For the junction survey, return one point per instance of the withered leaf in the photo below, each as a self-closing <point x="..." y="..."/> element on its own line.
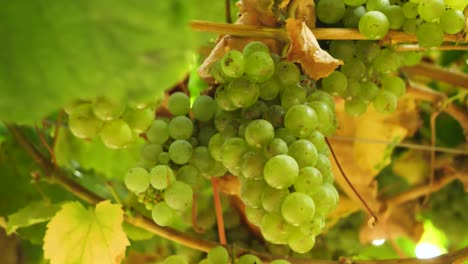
<point x="305" y="49"/>
<point x="256" y="12"/>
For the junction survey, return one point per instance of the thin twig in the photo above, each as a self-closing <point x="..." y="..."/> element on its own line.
<point x="432" y="72"/>
<point x="219" y="212"/>
<point x="44" y="143"/>
<point x="405" y="47"/>
<point x="227" y="10"/>
<point x="374" y="220"/>
<point x="433" y="119"/>
<point x="113" y="192"/>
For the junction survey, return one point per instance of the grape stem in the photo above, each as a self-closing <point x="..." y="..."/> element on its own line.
<point x="374" y="220"/>
<point x="432" y="72"/>
<point x="219" y="212"/>
<point x="227" y="10"/>
<point x="406" y="47"/>
<point x="194" y="216"/>
<point x="59" y="176"/>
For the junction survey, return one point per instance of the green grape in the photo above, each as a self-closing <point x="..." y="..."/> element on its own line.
<point x="304" y="152"/>
<point x="275" y="229"/>
<point x="83" y="123"/>
<point x="411" y="58"/>
<point x="353" y="68"/>
<point x="367" y="50"/>
<point x="355" y="107"/>
<point x="431" y="10"/>
<point x="137" y="180"/>
<point x="232" y="152"/>
<point x="252" y="165"/>
<point x="335" y="83"/>
<point x="386" y="62"/>
<point x="271" y="199"/>
<point x="218" y="73"/>
<point x="430" y="35"/>
<point x="232" y="64"/>
<point x="326" y="199"/>
<point x="175" y="260"/>
<point x="242" y="92"/>
<point x="180" y="127"/>
<point x="377" y="5"/>
<point x="318" y="140"/>
<point x="394" y="85"/>
<point x="106" y="109"/>
<point x="203" y="161"/>
<point x="330" y="11"/>
<point x="150" y="152"/>
<point x="162" y="214"/>
<point x="287" y="73"/>
<point x="411" y="25"/>
<point x="298" y="208"/>
<point x="293" y="95"/>
<point x="180" y="151"/>
<point x="254" y="46"/>
<point x="281" y="171"/>
<point x="139" y="120"/>
<point x="164" y="158"/>
<point x="219" y="255"/>
<point x="223" y="100"/>
<point x="324" y="114"/>
<point x="275" y="115"/>
<point x="204" y="261"/>
<point x="190" y="175"/>
<point x="276" y="147"/>
<point x="385" y="102"/>
<point x="249" y="259"/>
<point x="161" y="176"/>
<point x="270" y="89"/>
<point x="456" y="4"/>
<point x="251" y="192"/>
<point x="319" y="95"/>
<point x="158" y="133"/>
<point x="353" y="90"/>
<point x="116" y="134"/>
<point x="285" y="134"/>
<point x="300" y="242"/>
<point x="178" y="195"/>
<point x="354" y="2"/>
<point x="352" y="16"/>
<point x="205" y="133"/>
<point x="374" y="25"/>
<point x="178" y="104"/>
<point x="395" y="15"/>
<point x="368" y="91"/>
<point x="243" y="127"/>
<point x="410" y="10"/>
<point x="280" y="261"/>
<point x="301" y="120"/>
<point x="342" y="49"/>
<point x="74" y="105"/>
<point x="215" y="145"/>
<point x="255" y="215"/>
<point x="259" y="133"/>
<point x="452" y="21"/>
<point x="308" y="181"/>
<point x="204" y="108"/>
<point x="259" y="66"/>
<point x="324" y="166"/>
<point x="254" y="111"/>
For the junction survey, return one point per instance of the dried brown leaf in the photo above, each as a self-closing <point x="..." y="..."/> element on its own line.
<point x="256" y="12"/>
<point x="305" y="49"/>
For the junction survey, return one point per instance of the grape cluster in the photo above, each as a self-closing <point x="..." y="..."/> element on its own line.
<point x="271" y="131"/>
<point x="367" y="75"/>
<point x="428" y="19"/>
<point x="117" y="123"/>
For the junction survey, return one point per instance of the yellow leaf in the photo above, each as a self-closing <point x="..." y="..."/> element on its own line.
<point x="79" y="236"/>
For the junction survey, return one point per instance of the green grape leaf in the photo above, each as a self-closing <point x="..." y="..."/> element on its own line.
<point x="81" y="236"/>
<point x="34" y="213"/>
<point x="94" y="155"/>
<point x="57" y="51"/>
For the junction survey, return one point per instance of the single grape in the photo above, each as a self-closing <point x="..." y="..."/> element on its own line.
<point x="275" y="229"/>
<point x="232" y="64"/>
<point x="386" y="62"/>
<point x="178" y="195"/>
<point x="190" y="175"/>
<point x="285" y="134"/>
<point x="308" y="181"/>
<point x="252" y="165"/>
<point x="137" y="180"/>
<point x="161" y="176"/>
<point x="270" y="89"/>
<point x="330" y="11"/>
<point x="249" y="259"/>
<point x="215" y="145"/>
<point x="254" y="46"/>
<point x="116" y="134"/>
<point x="218" y="255"/>
<point x="326" y="199"/>
<point x="301" y="120"/>
<point x="319" y="142"/>
<point x="272" y="197"/>
<point x="106" y="109"/>
<point x="298" y="208"/>
<point x="410" y="10"/>
<point x="83" y="123"/>
<point x="385" y="102"/>
<point x="324" y="114"/>
<point x="452" y="21"/>
<point x="139" y="120"/>
<point x="178" y="103"/>
<point x="205" y="133"/>
<point x="300" y="242"/>
<point x="158" y="133"/>
<point x="275" y="115"/>
<point x="232" y="152"/>
<point x="217" y="72"/>
<point x="430" y="35"/>
<point x="335" y="83"/>
<point x="342" y="49"/>
<point x="368" y="91"/>
<point x="304" y="152"/>
<point x="281" y="171"/>
<point x="324" y="166"/>
<point x="259" y="133"/>
<point x="352" y="16"/>
<point x="411" y="25"/>
<point x="251" y="192"/>
<point x="355" y="107"/>
<point x="227" y="123"/>
<point x="319" y="95"/>
<point x="367" y="50"/>
<point x="222" y="98"/>
<point x="164" y="158"/>
<point x="293" y="95"/>
<point x="374" y="25"/>
<point x="254" y="111"/>
<point x="287" y="73"/>
<point x="394" y="85"/>
<point x="242" y="92"/>
<point x="180" y="151"/>
<point x="180" y="127"/>
<point x="150" y="152"/>
<point x="259" y="66"/>
<point x="411" y="58"/>
<point x="431" y="10"/>
<point x="162" y="214"/>
<point x="204" y="108"/>
<point x="353" y="68"/>
<point x="255" y="215"/>
<point x="395" y="16"/>
<point x="276" y="147"/>
<point x="377" y="5"/>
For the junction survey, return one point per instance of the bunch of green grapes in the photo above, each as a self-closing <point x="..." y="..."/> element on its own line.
<point x="369" y="75"/>
<point x="429" y="20"/>
<point x="117" y="124"/>
<point x="271" y="131"/>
